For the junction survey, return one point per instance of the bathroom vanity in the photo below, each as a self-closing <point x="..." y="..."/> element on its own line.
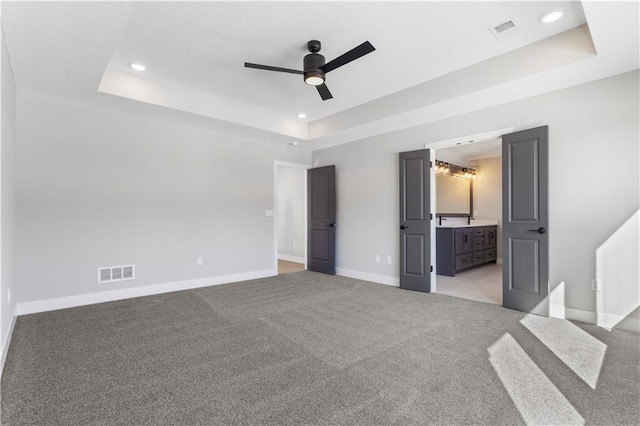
<point x="461" y="246"/>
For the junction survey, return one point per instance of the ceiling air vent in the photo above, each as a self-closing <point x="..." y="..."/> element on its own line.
<point x="506" y="29"/>
<point x="504" y="26"/>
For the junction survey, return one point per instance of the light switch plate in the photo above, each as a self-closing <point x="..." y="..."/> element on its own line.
<point x="268" y="212"/>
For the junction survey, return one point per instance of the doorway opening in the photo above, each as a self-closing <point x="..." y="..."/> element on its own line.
<point x="290" y="217"/>
<point x="467" y="195"/>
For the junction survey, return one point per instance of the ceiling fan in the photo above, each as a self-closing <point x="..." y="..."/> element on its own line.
<point x="315" y="67"/>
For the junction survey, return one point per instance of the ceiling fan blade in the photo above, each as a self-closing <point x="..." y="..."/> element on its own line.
<point x="270" y="68"/>
<point x="351" y="55"/>
<point x="324" y="92"/>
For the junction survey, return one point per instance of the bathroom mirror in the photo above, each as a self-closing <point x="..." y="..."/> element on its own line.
<point x="454" y="196"/>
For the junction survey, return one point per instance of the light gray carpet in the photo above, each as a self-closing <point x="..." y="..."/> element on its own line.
<point x="308" y="348"/>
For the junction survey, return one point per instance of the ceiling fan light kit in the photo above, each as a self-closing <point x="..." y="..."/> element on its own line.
<point x="315" y="68"/>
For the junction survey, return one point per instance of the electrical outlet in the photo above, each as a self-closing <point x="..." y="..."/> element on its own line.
<point x="596" y="285"/>
<point x="8" y="295"/>
<point x="199" y="261"/>
<point x="294" y="244"/>
<point x="377" y="258"/>
<point x="389" y="260"/>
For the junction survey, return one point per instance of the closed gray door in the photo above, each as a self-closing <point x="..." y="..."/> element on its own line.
<point x="415" y="228"/>
<point x="321" y="223"/>
<point x="525" y="220"/>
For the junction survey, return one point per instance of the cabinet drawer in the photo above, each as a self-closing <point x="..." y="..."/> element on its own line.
<point x="478" y="258"/>
<point x="478" y="243"/>
<point x="491" y="254"/>
<point x="478" y="231"/>
<point x="463" y="261"/>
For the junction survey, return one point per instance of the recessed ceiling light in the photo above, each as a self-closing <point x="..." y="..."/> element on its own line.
<point x="137" y="66"/>
<point x="302" y="115"/>
<point x="551" y="16"/>
<point x="293" y="143"/>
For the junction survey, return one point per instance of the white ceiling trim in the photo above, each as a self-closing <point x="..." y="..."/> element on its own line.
<point x="171" y="95"/>
<point x="551" y="53"/>
<point x="554" y="52"/>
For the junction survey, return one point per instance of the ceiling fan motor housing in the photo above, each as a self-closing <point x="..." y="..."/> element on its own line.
<point x="312" y="63"/>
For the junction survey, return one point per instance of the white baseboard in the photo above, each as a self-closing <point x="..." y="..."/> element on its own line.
<point x="366" y="276"/>
<point x="290" y="258"/>
<point x="573" y="314"/>
<point x="6" y="343"/>
<point x="610" y="321"/>
<point x="128" y="293"/>
<point x="601" y="319"/>
<point x="559" y="311"/>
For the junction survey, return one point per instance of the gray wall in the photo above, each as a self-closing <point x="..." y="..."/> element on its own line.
<point x="7" y="200"/>
<point x="290" y="212"/>
<point x="593" y="171"/>
<point x="96" y="187"/>
<point x="487" y="193"/>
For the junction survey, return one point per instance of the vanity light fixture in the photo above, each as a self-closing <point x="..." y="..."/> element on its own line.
<point x="444" y="169"/>
<point x="550" y="16"/>
<point x="469" y="173"/>
<point x="137" y="66"/>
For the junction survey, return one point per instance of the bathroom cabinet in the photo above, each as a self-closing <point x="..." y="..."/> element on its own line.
<point x="461" y="248"/>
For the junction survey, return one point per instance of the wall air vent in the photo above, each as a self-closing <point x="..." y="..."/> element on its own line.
<point x="506" y="29"/>
<point x="111" y="274"/>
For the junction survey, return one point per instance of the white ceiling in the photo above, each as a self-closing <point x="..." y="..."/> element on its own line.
<point x="433" y="59"/>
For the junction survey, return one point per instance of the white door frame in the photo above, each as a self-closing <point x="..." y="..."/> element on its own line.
<point x="276" y="166"/>
<point x="448" y="143"/>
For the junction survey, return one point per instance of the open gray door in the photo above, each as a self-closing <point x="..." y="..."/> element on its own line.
<point x="415" y="226"/>
<point x="525" y="218"/>
<point x="321" y="223"/>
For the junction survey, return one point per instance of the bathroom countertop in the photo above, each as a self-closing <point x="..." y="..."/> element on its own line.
<point x="462" y="223"/>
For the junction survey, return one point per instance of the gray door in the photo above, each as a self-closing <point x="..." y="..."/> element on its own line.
<point x="321" y="223"/>
<point x="525" y="218"/>
<point x="415" y="226"/>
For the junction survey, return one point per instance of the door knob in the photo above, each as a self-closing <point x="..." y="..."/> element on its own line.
<point x="403" y="227"/>
<point x="332" y="225"/>
<point x="541" y="230"/>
